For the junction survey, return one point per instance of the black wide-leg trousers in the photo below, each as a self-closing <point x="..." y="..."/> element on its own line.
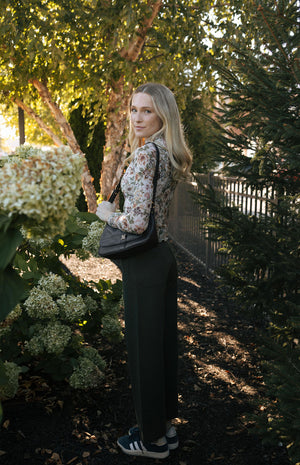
<point x="150" y="298"/>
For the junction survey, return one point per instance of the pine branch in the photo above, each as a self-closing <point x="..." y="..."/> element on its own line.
<point x="261" y="10"/>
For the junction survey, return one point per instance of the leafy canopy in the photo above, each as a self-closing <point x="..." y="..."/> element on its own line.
<point x="76" y="46"/>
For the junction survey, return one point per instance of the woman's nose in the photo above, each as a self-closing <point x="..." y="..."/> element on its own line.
<point x="138" y="116"/>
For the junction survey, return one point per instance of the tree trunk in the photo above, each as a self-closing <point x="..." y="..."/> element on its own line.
<point x="114" y="150"/>
<point x="21" y="126"/>
<point x="115" y="140"/>
<point x="87" y="180"/>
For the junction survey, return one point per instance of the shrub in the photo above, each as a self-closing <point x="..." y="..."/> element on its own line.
<point x="50" y="317"/>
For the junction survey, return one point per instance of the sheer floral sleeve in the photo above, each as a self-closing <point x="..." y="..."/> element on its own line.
<point x="137" y="186"/>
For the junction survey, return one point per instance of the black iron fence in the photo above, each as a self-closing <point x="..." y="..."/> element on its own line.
<point x="187" y="217"/>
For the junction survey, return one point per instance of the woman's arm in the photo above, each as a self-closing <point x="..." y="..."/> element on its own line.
<point x="139" y="186"/>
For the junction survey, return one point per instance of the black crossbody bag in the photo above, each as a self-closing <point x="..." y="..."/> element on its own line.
<point x="115" y="243"/>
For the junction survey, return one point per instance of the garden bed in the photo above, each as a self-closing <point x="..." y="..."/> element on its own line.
<point x="220" y="383"/>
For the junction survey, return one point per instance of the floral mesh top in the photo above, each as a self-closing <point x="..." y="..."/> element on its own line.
<point x="137" y="188"/>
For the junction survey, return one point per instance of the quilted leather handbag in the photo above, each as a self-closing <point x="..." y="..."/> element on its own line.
<point x="115" y="243"/>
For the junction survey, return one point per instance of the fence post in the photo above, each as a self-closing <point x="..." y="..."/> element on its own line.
<point x="21" y="126"/>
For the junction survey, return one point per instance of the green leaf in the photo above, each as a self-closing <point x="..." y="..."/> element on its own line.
<point x="20" y="262"/>
<point x="11" y="291"/>
<point x="72" y="227"/>
<point x="9" y="242"/>
<point x="5" y="221"/>
<point x="88" y="217"/>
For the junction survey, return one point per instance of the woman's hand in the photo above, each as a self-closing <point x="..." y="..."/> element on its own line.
<point x="104" y="210"/>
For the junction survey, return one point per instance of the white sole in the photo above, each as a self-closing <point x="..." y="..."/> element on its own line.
<point x="141" y="453"/>
<point x="173" y="446"/>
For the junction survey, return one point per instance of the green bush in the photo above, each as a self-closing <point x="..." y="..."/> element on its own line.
<point x="47" y="331"/>
<point x="49" y="317"/>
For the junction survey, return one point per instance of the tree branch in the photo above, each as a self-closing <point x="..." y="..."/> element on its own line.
<point x="57" y="114"/>
<point x="30" y="112"/>
<point x="87" y="180"/>
<point x="132" y="52"/>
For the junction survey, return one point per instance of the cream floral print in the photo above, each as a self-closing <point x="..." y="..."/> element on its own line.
<point x="137" y="188"/>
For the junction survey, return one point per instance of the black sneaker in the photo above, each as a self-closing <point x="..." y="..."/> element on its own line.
<point x="171" y="436"/>
<point x="133" y="445"/>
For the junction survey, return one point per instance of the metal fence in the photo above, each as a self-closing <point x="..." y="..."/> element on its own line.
<point x="187" y="218"/>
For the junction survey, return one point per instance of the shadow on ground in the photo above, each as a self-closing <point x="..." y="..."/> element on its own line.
<point x="220" y="383"/>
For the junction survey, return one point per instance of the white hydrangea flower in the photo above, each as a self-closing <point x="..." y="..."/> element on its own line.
<point x="25" y="151"/>
<point x="112" y="329"/>
<point x="55" y="337"/>
<point x="110" y="307"/>
<point x="72" y="307"/>
<point x="86" y="375"/>
<point x="35" y="346"/>
<point x="40" y="242"/>
<point x="91" y="241"/>
<point x="14" y="314"/>
<point x="40" y="304"/>
<point x="4" y="331"/>
<point x="53" y="284"/>
<point x="52" y="338"/>
<point x="9" y="389"/>
<point x="90" y="303"/>
<point x="92" y="354"/>
<point x="43" y="187"/>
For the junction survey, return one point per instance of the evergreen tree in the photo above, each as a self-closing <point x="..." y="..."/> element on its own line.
<point x="260" y="143"/>
<point x="199" y="131"/>
<point x="91" y="139"/>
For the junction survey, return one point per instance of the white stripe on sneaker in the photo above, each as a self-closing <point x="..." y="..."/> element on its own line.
<point x="134" y="446"/>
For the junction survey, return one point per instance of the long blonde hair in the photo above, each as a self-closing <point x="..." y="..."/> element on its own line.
<point x="166" y="108"/>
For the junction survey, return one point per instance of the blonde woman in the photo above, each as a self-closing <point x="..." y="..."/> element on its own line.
<point x="150" y="278"/>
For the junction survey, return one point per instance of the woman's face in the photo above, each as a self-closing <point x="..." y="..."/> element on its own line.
<point x="144" y="119"/>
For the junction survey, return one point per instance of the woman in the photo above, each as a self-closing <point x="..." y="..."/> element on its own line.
<point x="150" y="278"/>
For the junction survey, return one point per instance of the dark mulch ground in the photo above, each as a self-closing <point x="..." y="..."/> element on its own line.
<point x="219" y="382"/>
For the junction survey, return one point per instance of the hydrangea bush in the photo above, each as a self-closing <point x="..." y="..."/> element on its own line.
<point x="53" y="326"/>
<point x="41" y="185"/>
<point x="50" y="328"/>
